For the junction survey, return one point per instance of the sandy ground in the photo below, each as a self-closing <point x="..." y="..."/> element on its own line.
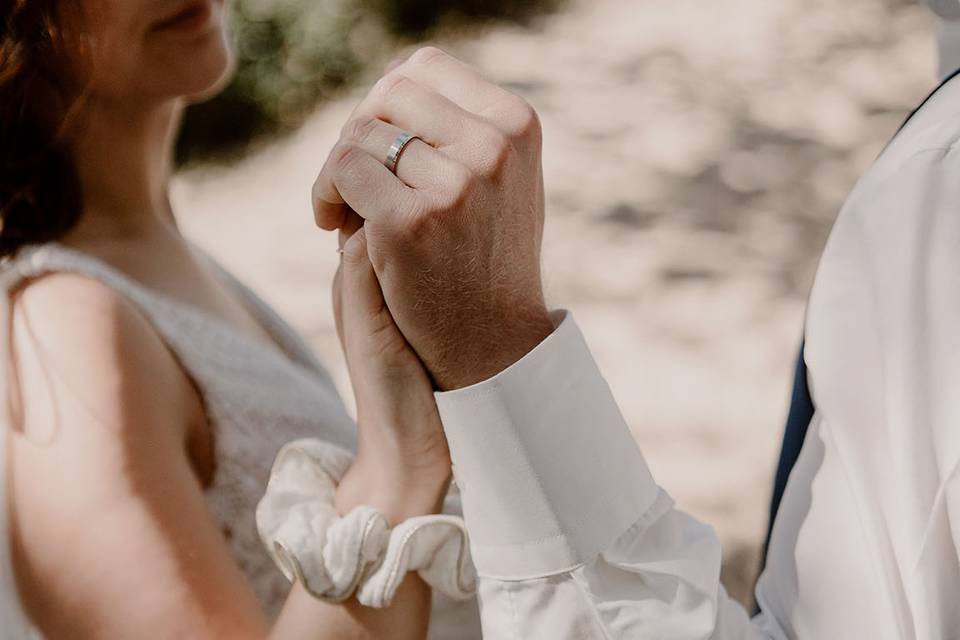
<point x="695" y="156"/>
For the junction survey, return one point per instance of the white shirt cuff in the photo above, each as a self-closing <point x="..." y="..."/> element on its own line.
<point x="548" y="471"/>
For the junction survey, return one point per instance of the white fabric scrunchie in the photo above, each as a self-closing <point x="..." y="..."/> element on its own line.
<point x="336" y="557"/>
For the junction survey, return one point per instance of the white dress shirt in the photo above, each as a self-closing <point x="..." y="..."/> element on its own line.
<point x="948" y="34"/>
<point x="573" y="538"/>
<point x="948" y="46"/>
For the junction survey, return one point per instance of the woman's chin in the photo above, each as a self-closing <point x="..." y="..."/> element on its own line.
<point x="214" y="84"/>
<point x="195" y="71"/>
<point x="200" y="79"/>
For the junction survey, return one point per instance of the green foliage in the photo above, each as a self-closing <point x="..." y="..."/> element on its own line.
<point x="293" y="53"/>
<point x="420" y="17"/>
<point x="289" y="54"/>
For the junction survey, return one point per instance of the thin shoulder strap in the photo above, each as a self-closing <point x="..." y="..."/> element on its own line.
<point x="34" y="260"/>
<point x="165" y="313"/>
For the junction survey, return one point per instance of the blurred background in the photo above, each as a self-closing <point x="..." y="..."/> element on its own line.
<point x="695" y="155"/>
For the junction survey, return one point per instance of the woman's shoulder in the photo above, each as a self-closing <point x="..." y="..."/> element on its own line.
<point x="86" y="343"/>
<point x="99" y="450"/>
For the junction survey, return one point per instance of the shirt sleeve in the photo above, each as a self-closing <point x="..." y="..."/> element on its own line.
<point x="570" y="534"/>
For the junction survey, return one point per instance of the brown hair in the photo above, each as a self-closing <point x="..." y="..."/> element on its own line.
<point x="40" y="195"/>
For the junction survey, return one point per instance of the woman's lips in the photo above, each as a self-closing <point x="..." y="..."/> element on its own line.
<point x="190" y="18"/>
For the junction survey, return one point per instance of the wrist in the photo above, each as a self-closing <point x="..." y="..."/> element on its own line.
<point x="396" y="490"/>
<point x="504" y="341"/>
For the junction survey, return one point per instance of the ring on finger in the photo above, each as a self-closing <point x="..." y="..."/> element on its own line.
<point x="393" y="155"/>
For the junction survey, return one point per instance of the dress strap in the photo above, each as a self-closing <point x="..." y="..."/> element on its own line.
<point x="37" y="259"/>
<point x="165" y="312"/>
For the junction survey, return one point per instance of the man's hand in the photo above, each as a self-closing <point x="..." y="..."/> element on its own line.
<point x="403" y="465"/>
<point x="454" y="236"/>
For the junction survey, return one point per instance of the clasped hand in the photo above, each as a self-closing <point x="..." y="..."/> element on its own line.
<point x="439" y="284"/>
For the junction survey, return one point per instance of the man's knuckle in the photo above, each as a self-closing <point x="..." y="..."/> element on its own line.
<point x="524" y="121"/>
<point x="427" y="55"/>
<point x="359" y="129"/>
<point x="389" y="85"/>
<point x="459" y="186"/>
<point x="496" y="151"/>
<point x="345" y="155"/>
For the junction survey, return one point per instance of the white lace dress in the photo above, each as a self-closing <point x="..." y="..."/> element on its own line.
<point x="256" y="399"/>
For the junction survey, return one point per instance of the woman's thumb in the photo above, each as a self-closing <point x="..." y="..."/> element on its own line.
<point x="361" y="296"/>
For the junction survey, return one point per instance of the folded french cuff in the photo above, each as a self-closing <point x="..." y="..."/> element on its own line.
<point x="548" y="470"/>
<point x="358" y="554"/>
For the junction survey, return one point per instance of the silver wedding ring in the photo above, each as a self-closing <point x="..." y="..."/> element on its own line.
<point x="393" y="156"/>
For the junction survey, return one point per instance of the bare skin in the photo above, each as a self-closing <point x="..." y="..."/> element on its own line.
<point x="118" y="452"/>
<point x="111" y="533"/>
<point x="455" y="235"/>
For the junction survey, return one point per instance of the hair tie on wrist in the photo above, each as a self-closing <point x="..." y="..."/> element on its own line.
<point x="358" y="554"/>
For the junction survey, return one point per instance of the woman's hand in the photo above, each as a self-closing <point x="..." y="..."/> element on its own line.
<point x="403" y="464"/>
